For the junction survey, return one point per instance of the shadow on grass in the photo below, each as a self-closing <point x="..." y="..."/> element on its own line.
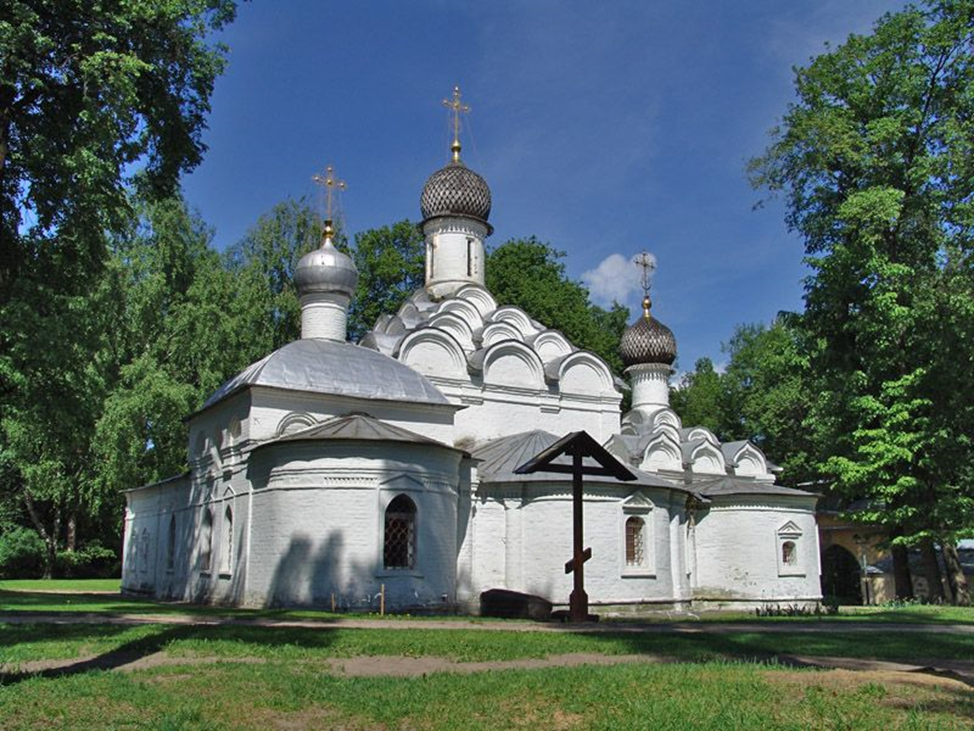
<point x="159" y="638"/>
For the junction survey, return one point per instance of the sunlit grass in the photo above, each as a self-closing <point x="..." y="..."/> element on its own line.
<point x="301" y="695"/>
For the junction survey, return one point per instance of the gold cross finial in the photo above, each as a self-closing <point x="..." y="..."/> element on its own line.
<point x="458" y="108"/>
<point x="647" y="262"/>
<point x="330" y="183"/>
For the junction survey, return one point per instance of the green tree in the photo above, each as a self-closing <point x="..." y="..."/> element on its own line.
<point x="769" y="396"/>
<point x="266" y="258"/>
<point x="88" y="91"/>
<point x="875" y="159"/>
<point x="698" y="399"/>
<point x="391" y="264"/>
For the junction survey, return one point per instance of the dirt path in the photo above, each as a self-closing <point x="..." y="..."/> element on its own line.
<point x="825" y="626"/>
<point x="956" y="674"/>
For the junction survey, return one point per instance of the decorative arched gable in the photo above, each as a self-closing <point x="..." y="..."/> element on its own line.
<point x="478" y="297"/>
<point x="584" y="373"/>
<point x="551" y="345"/>
<point x="498" y="332"/>
<point x="455" y="325"/>
<point x="668" y="418"/>
<point x="433" y="352"/>
<point x="749" y="461"/>
<point x="706" y="459"/>
<point x="294" y="422"/>
<point x="516" y="317"/>
<point x="465" y="310"/>
<point x="512" y="363"/>
<point x="662" y="452"/>
<point x="701" y="432"/>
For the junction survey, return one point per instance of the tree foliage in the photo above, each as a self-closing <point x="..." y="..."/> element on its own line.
<point x="875" y="162"/>
<point x="87" y="91"/>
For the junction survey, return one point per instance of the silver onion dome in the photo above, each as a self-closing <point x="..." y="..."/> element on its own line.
<point x="455" y="190"/>
<point x="647" y="340"/>
<point x="326" y="270"/>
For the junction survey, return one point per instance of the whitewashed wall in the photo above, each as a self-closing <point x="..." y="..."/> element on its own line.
<point x="738" y="552"/>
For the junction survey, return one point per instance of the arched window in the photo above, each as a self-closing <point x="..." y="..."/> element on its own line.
<point x="171" y="544"/>
<point x="635" y="541"/>
<point x="788" y="556"/>
<point x="226" y="559"/>
<point x="206" y="541"/>
<point x="399" y="547"/>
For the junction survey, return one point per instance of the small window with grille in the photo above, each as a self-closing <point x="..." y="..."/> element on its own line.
<point x="635" y="541"/>
<point x="399" y="547"/>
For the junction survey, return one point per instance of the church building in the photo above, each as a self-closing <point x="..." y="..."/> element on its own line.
<point x="329" y="469"/>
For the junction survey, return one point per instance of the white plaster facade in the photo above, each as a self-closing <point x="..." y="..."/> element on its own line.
<point x="329" y="470"/>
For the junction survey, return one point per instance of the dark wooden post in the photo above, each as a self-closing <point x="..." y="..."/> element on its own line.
<point x="578" y="602"/>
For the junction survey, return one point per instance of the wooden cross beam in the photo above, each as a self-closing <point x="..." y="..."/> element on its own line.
<point x="580" y="446"/>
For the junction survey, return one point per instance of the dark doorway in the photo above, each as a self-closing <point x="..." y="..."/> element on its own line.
<point x="841" y="576"/>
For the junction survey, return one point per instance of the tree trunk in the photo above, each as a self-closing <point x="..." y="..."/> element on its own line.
<point x="955" y="575"/>
<point x="50" y="539"/>
<point x="901" y="572"/>
<point x="71" y="538"/>
<point x="931" y="569"/>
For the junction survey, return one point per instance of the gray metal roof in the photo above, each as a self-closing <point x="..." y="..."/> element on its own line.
<point x="341" y="369"/>
<point x="358" y="427"/>
<point x="738" y="486"/>
<point x="499" y="457"/>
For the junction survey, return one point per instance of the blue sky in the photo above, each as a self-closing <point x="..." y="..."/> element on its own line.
<point x="603" y="128"/>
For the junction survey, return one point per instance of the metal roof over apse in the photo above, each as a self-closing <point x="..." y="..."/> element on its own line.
<point x="499" y="458"/>
<point x="737" y="486"/>
<point x="358" y="427"/>
<point x="340" y="369"/>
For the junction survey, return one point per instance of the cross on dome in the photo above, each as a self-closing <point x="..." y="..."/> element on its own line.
<point x="330" y="183"/>
<point x="647" y="263"/>
<point x="457" y="108"/>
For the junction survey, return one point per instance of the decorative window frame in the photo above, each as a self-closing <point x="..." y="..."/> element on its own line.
<point x="789" y="533"/>
<point x="390" y="489"/>
<point x="638" y="505"/>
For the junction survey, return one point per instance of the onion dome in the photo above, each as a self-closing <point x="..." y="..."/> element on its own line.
<point x="326" y="269"/>
<point x="455" y="190"/>
<point x="647" y="340"/>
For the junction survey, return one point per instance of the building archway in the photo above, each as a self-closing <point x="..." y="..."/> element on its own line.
<point x="841" y="575"/>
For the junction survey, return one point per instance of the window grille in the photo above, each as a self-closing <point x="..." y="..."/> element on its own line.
<point x="788" y="557"/>
<point x="399" y="550"/>
<point x="635" y="548"/>
<point x="226" y="564"/>
<point x="206" y="541"/>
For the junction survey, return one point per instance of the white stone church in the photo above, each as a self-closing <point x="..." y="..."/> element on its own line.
<point x="330" y="469"/>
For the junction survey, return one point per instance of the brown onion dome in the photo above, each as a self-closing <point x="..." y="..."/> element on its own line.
<point x="456" y="190"/>
<point x="647" y="340"/>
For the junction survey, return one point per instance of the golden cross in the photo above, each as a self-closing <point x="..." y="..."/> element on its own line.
<point x="646" y="262"/>
<point x="329" y="182"/>
<point x="458" y="108"/>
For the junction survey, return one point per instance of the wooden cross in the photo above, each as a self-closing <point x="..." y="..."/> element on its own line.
<point x="329" y="182"/>
<point x="457" y="108"/>
<point x="579" y="445"/>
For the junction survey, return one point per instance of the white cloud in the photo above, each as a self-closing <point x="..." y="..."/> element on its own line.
<point x="614" y="279"/>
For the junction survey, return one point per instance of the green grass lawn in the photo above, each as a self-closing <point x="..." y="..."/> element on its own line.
<point x="68" y="595"/>
<point x="284" y="693"/>
<point x="30" y="642"/>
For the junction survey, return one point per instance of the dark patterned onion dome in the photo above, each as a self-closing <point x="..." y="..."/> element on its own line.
<point x="455" y="190"/>
<point x="647" y="340"/>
